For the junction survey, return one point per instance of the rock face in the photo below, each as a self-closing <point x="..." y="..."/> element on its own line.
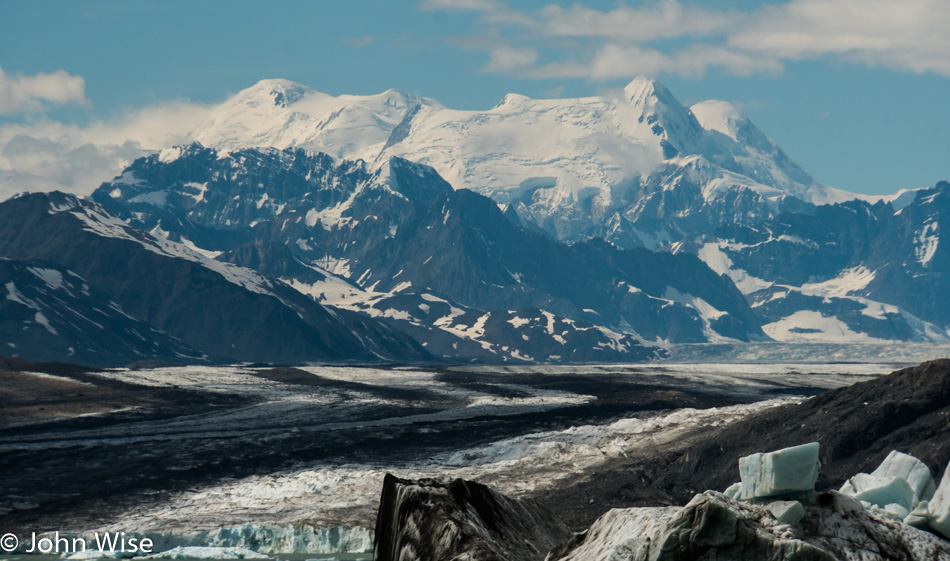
<point x="460" y="520"/>
<point x="223" y="311"/>
<point x="713" y="526"/>
<point x="448" y="266"/>
<point x="850" y="272"/>
<point x="48" y="312"/>
<point x="430" y="520"/>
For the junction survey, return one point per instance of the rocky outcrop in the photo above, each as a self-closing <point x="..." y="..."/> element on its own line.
<point x="430" y="520"/>
<point x="713" y="526"/>
<point x="445" y="520"/>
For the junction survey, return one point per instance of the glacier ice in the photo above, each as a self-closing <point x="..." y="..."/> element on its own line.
<point x="265" y="539"/>
<point x="196" y="552"/>
<point x="787" y="471"/>
<point x="939" y="507"/>
<point x="920" y="516"/>
<point x="896" y="487"/>
<point x="910" y="469"/>
<point x="880" y="491"/>
<point x="733" y="491"/>
<point x="90" y="554"/>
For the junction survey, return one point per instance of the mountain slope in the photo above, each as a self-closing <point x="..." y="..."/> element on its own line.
<point x="50" y="313"/>
<point x="637" y="167"/>
<point x="400" y="229"/>
<point x="225" y="311"/>
<point x="850" y="272"/>
<point x="446" y="328"/>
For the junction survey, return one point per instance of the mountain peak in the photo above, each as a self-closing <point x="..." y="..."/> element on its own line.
<point x="647" y="91"/>
<point x="513" y="99"/>
<point x="278" y="92"/>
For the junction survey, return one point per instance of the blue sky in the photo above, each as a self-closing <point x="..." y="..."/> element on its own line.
<point x="856" y="91"/>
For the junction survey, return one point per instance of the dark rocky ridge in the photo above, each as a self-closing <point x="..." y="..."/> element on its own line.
<point x="185" y="298"/>
<point x="522" y="335"/>
<point x="857" y="426"/>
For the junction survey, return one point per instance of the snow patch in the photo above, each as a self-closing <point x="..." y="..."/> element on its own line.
<point x="169" y="155"/>
<point x="925" y="243"/>
<point x="808" y="325"/>
<point x="848" y="281"/>
<point x="156" y="198"/>
<point x="712" y="255"/>
<point x="52" y="277"/>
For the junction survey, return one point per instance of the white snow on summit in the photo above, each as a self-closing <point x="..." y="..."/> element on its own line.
<point x="566" y="164"/>
<point x="759" y="156"/>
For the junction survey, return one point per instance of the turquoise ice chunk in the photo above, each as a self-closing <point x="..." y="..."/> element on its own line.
<point x="880" y="491"/>
<point x="910" y="469"/>
<point x="939" y="506"/>
<point x="782" y="472"/>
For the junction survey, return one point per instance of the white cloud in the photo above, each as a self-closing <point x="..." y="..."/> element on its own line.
<point x="614" y="61"/>
<point x="907" y="35"/>
<point x="672" y="37"/>
<point x="507" y="59"/>
<point x="459" y="5"/>
<point x="31" y="94"/>
<point x="666" y="19"/>
<point x="48" y="155"/>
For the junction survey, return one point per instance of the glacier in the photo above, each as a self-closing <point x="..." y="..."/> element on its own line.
<point x="198" y="552"/>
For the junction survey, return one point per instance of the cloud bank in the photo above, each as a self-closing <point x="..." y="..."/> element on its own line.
<point x="48" y="155"/>
<point x="687" y="39"/>
<point x="31" y="94"/>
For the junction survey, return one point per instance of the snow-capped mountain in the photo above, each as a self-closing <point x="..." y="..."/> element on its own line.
<point x="414" y="250"/>
<point x="636" y="168"/>
<point x="525" y="232"/>
<point x="224" y="311"/>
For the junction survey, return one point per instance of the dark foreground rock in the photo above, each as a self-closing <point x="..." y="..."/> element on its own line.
<point x="444" y="520"/>
<point x="856" y="426"/>
<point x="713" y="526"/>
<point x="460" y="520"/>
